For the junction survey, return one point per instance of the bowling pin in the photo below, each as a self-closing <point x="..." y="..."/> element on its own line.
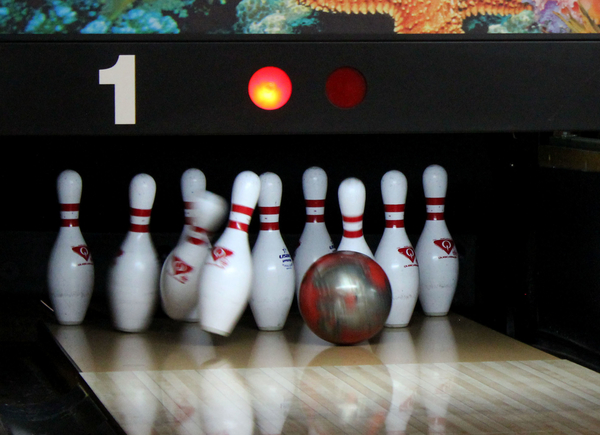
<point x="70" y="268"/>
<point x="436" y="251"/>
<point x="181" y="270"/>
<point x="193" y="181"/>
<point x="133" y="277"/>
<point x="226" y="278"/>
<point x="315" y="240"/>
<point x="351" y="197"/>
<point x="395" y="253"/>
<point x="273" y="283"/>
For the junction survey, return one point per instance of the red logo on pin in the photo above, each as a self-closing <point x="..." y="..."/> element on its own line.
<point x="180" y="268"/>
<point x="447" y="245"/>
<point x="83" y="251"/>
<point x="219" y="255"/>
<point x="408" y="252"/>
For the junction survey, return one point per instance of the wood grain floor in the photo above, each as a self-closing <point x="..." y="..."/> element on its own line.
<point x="438" y="376"/>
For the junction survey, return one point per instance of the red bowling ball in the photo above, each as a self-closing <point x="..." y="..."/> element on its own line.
<point x="345" y="297"/>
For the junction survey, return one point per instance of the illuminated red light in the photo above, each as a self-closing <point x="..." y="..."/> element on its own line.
<point x="270" y="88"/>
<point x="346" y="87"/>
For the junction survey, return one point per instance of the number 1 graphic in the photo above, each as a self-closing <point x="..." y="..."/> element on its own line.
<point x="122" y="76"/>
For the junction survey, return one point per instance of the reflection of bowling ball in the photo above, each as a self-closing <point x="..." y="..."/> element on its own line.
<point x="345" y="297"/>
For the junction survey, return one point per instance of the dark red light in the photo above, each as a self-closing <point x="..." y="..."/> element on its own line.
<point x="346" y="87"/>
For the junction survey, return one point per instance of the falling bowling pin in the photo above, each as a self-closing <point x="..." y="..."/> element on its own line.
<point x="70" y="268"/>
<point x="315" y="240"/>
<point x="133" y="276"/>
<point x="181" y="270"/>
<point x="395" y="253"/>
<point x="351" y="197"/>
<point x="436" y="251"/>
<point x="273" y="282"/>
<point x="193" y="182"/>
<point x="226" y="279"/>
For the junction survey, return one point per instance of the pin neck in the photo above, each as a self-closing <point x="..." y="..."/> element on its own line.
<point x="435" y="208"/>
<point x="140" y="220"/>
<point x="269" y="218"/>
<point x="315" y="210"/>
<point x="394" y="215"/>
<point x="239" y="218"/>
<point x="352" y="226"/>
<point x="69" y="215"/>
<point x="188" y="207"/>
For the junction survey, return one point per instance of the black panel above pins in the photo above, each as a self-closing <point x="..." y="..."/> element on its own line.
<point x="473" y="162"/>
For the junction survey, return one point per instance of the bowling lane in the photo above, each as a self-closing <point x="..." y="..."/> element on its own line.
<point x="439" y="375"/>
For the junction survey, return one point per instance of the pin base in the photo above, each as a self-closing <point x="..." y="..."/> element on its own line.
<point x="216" y="331"/>
<point x="403" y="325"/>
<point x="270" y="328"/>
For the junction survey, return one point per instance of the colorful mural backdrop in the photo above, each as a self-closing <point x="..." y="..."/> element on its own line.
<point x="214" y="17"/>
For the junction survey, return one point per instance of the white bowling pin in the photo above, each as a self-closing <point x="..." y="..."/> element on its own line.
<point x="273" y="281"/>
<point x="193" y="182"/>
<point x="315" y="240"/>
<point x="226" y="277"/>
<point x="436" y="251"/>
<point x="70" y="268"/>
<point x="134" y="274"/>
<point x="395" y="253"/>
<point x="351" y="197"/>
<point x="181" y="270"/>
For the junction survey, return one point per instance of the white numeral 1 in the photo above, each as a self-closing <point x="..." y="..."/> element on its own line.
<point x="122" y="75"/>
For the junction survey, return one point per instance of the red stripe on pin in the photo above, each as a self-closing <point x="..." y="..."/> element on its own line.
<point x="69" y="207"/>
<point x="195" y="241"/>
<point x="435" y="216"/>
<point x="434" y="201"/>
<point x="136" y="228"/>
<point x="139" y="212"/>
<point x="394" y="208"/>
<point x="269" y="210"/>
<point x="69" y="223"/>
<point x="269" y="226"/>
<point x="315" y="218"/>
<point x="315" y="203"/>
<point x="394" y="223"/>
<point x="242" y="209"/>
<point x="353" y="234"/>
<point x="238" y="226"/>
<point x="352" y="218"/>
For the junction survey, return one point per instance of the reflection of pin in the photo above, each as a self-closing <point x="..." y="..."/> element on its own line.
<point x="436" y="252"/>
<point x="133" y="276"/>
<point x="436" y="344"/>
<point x="226" y="277"/>
<point x="395" y="346"/>
<point x="273" y="269"/>
<point x="274" y="398"/>
<point x="222" y="413"/>
<point x="181" y="270"/>
<point x="70" y="269"/>
<point x="314" y="240"/>
<point x="352" y="196"/>
<point x="395" y="253"/>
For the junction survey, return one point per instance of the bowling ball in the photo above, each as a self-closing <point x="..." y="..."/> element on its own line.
<point x="345" y="297"/>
